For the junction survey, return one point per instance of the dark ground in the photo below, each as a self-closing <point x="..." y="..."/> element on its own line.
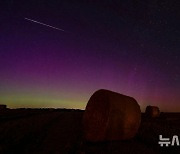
<point x="59" y="131"/>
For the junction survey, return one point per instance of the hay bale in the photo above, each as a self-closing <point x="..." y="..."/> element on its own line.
<point x="110" y="116"/>
<point x="152" y="111"/>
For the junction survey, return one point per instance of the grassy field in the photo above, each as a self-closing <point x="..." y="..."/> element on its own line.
<point x="59" y="131"/>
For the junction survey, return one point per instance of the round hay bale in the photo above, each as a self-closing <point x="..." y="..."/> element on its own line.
<point x="110" y="116"/>
<point x="152" y="111"/>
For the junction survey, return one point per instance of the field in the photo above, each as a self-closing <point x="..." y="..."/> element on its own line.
<point x="59" y="131"/>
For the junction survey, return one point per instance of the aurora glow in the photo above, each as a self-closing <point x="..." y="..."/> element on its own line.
<point x="109" y="45"/>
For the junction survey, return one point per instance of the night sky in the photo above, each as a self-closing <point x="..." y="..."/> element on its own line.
<point x="128" y="46"/>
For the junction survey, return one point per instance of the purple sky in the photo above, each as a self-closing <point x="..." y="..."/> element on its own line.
<point x="130" y="47"/>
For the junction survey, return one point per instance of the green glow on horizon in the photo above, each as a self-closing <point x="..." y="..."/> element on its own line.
<point x="37" y="101"/>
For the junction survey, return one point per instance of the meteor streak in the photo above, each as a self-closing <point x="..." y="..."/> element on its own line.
<point x="43" y="24"/>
